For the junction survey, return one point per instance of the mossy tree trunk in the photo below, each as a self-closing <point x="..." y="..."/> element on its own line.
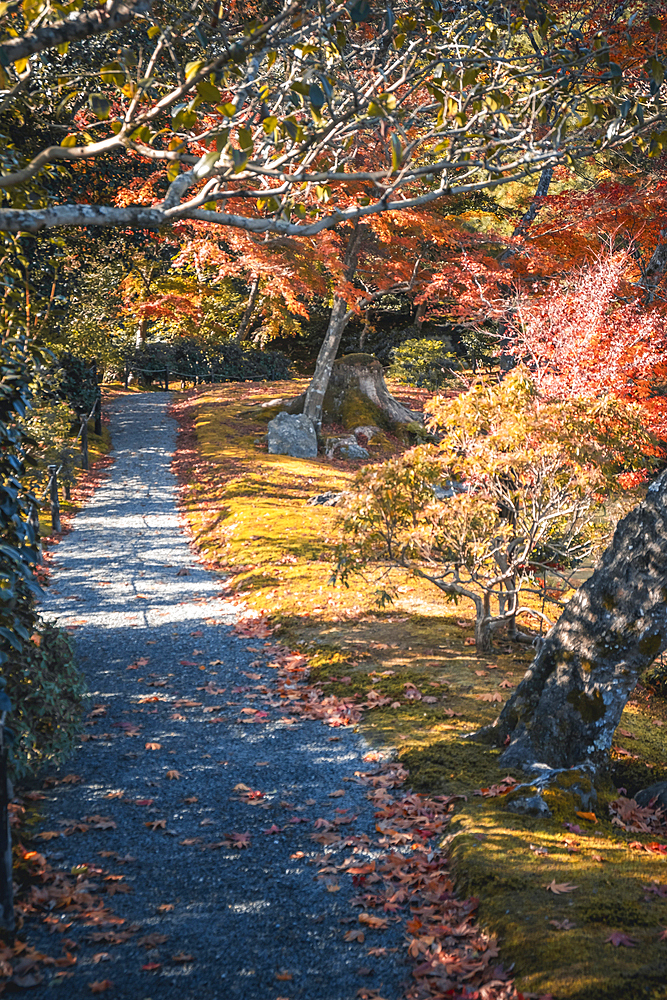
<point x="566" y="709"/>
<point x="340" y="315"/>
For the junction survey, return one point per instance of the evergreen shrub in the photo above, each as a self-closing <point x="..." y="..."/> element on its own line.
<point x="46" y="690"/>
<point x="424" y="363"/>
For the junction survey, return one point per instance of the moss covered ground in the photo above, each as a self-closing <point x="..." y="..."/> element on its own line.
<point x="600" y="936"/>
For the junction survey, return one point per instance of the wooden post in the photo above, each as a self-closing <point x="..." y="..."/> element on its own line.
<point x="84" y="443"/>
<point x="98" y="413"/>
<point x="55" y="506"/>
<point x="6" y="880"/>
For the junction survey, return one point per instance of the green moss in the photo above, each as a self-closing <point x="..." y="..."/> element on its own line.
<point x="609" y="602"/>
<point x="354" y="410"/>
<point x="650" y="645"/>
<point x="590" y="707"/>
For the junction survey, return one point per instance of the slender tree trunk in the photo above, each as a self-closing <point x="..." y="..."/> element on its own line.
<point x="242" y="331"/>
<point x="338" y="320"/>
<point x="566" y="709"/>
<point x="141" y="332"/>
<point x="483" y="635"/>
<point x="312" y="407"/>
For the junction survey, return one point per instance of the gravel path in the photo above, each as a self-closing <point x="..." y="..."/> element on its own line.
<point x="152" y="629"/>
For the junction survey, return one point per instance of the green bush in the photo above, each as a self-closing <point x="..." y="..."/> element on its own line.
<point x="424" y="363"/>
<point x="655" y="678"/>
<point x="222" y="362"/>
<point x="46" y="690"/>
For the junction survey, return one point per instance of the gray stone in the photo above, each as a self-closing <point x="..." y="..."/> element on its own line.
<point x="369" y="431"/>
<point x="353" y="450"/>
<point x="328" y="499"/>
<point x="657" y="792"/>
<point x="533" y="805"/>
<point x="292" y="434"/>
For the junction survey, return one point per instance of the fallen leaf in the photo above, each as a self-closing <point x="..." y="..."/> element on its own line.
<point x="589" y="816"/>
<point x="151" y="966"/>
<point x="354" y="935"/>
<point x="152" y="940"/>
<point x="284" y="976"/>
<point x="100" y="986"/>
<point x="153" y="746"/>
<point x="165" y="908"/>
<point x="47" y="835"/>
<point x="182" y="957"/>
<point x="157" y="824"/>
<point x="563" y="925"/>
<point x="619" y="938"/>
<point x="174" y="775"/>
<point x="337" y="794"/>
<point x="559" y="887"/>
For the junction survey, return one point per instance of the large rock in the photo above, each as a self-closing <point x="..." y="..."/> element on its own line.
<point x="292" y="434"/>
<point x="657" y="792"/>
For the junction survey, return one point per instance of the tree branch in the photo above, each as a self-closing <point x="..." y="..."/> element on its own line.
<point x="113" y="15"/>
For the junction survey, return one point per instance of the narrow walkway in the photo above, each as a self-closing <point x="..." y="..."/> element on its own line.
<point x="171" y="731"/>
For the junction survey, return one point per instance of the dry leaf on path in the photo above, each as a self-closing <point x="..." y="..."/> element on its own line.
<point x="153" y="746"/>
<point x="174" y="775"/>
<point x="284" y="977"/>
<point x="337" y="794"/>
<point x="100" y="986"/>
<point x="354" y="935"/>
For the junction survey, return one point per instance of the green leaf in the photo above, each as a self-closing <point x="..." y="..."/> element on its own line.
<point x="654" y="23"/>
<point x="228" y="109"/>
<point x="359" y="11"/>
<point x="100" y="106"/>
<point x="192" y="68"/>
<point x="208" y="92"/>
<point x="240" y="159"/>
<point x="245" y="140"/>
<point x="270" y="124"/>
<point x="316" y="96"/>
<point x="113" y="73"/>
<point x="396" y="152"/>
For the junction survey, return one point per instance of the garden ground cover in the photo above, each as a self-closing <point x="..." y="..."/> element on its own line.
<point x="579" y="904"/>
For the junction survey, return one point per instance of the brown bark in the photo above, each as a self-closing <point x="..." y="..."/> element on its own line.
<point x="242" y="332"/>
<point x="340" y="316"/>
<point x="567" y="707"/>
<point x="93" y="22"/>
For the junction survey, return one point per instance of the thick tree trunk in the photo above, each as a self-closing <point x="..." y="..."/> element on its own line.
<point x="242" y="331"/>
<point x="567" y="707"/>
<point x="361" y="375"/>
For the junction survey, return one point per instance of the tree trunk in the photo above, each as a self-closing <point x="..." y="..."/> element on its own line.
<point x="242" y="331"/>
<point x="338" y="320"/>
<point x="357" y="394"/>
<point x="316" y="390"/>
<point x="141" y="332"/>
<point x="566" y="709"/>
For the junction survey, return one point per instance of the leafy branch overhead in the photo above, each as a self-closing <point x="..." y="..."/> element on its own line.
<point x="321" y="113"/>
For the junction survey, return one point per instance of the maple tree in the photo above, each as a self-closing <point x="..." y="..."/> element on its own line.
<point x="505" y="505"/>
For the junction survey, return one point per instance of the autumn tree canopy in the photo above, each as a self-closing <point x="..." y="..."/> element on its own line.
<point x="237" y="121"/>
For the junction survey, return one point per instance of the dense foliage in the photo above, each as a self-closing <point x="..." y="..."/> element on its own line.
<point x="46" y="690"/>
<point x="222" y="362"/>
<point x="423" y="362"/>
<point x="507" y="504"/>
